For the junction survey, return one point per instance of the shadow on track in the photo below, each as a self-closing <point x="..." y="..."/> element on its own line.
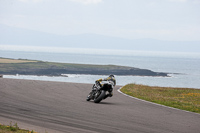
<point x="103" y="103"/>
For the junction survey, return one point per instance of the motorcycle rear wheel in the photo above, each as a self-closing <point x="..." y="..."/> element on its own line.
<point x="100" y="97"/>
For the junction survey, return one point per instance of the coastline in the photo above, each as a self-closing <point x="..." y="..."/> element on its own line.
<point x="185" y="78"/>
<point x="39" y="68"/>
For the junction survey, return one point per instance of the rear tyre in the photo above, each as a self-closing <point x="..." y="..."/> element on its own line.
<point x="100" y="96"/>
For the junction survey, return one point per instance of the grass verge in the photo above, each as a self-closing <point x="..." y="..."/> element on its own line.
<point x="13" y="129"/>
<point x="181" y="98"/>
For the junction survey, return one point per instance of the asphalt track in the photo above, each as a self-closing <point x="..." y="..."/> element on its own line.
<point x="61" y="107"/>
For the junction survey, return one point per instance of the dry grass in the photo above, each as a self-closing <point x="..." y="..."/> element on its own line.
<point x="3" y="60"/>
<point x="181" y="98"/>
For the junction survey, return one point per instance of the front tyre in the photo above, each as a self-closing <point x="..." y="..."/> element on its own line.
<point x="99" y="96"/>
<point x="89" y="97"/>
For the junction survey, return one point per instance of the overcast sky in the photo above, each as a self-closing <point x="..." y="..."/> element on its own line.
<point x="133" y="19"/>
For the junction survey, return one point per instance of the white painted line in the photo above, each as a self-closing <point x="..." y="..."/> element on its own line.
<point x="119" y="90"/>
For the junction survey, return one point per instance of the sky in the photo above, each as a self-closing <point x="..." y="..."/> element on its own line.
<point x="171" y="20"/>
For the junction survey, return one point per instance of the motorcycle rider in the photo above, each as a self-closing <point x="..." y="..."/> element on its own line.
<point x="98" y="84"/>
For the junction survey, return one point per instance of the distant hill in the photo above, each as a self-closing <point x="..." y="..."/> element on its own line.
<point x="19" y="36"/>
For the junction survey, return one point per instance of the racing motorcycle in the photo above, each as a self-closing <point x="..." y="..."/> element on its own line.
<point x="100" y="92"/>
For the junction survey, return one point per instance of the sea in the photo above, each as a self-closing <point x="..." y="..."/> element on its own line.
<point x="184" y="68"/>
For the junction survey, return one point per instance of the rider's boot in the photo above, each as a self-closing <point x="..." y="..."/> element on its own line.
<point x="109" y="95"/>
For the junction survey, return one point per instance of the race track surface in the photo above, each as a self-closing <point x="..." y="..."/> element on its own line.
<point x="61" y="107"/>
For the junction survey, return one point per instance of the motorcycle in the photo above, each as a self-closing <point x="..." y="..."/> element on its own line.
<point x="100" y="92"/>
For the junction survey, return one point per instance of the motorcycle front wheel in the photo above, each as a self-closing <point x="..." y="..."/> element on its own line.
<point x="89" y="97"/>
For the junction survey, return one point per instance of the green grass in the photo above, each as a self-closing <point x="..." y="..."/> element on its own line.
<point x="181" y="98"/>
<point x="13" y="129"/>
<point x="24" y="63"/>
<point x="9" y="66"/>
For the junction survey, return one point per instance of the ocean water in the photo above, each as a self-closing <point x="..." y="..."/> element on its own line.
<point x="185" y="70"/>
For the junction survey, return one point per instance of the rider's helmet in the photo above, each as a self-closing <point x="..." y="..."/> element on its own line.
<point x="111" y="76"/>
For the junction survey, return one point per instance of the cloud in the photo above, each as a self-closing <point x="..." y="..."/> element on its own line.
<point x="196" y="1"/>
<point x="178" y="0"/>
<point x="35" y="1"/>
<point x="87" y="2"/>
<point x="184" y="1"/>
